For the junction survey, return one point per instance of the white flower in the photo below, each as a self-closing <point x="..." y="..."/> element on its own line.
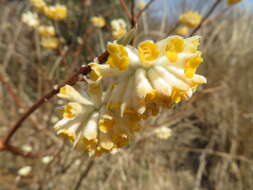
<point x="26" y="148"/>
<point x="154" y="76"/>
<point x="118" y="28"/>
<point x="118" y="24"/>
<point x="31" y="19"/>
<point x="47" y="159"/>
<point x="24" y="171"/>
<point x="163" y="132"/>
<point x="141" y="4"/>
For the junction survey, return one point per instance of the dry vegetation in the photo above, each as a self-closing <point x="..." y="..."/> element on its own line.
<point x="211" y="145"/>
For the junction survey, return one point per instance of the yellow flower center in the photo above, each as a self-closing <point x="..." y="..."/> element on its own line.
<point x="68" y="111"/>
<point x="106" y="124"/>
<point x="177" y="95"/>
<point x="148" y="51"/>
<point x="191" y="65"/>
<point x="118" y="57"/>
<point x="66" y="134"/>
<point x="120" y="140"/>
<point x="64" y="90"/>
<point x="173" y="47"/>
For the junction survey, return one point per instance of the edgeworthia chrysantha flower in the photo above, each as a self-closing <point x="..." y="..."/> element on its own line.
<point x="89" y="125"/>
<point x="152" y="77"/>
<point x="190" y="19"/>
<point x="146" y="79"/>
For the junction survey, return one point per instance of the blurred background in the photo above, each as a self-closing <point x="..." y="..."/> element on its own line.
<point x="202" y="144"/>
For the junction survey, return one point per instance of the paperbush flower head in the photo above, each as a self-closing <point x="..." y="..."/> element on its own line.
<point x="89" y="125"/>
<point x="47" y="159"/>
<point x="117" y="34"/>
<point x="24" y="171"/>
<point x="182" y="31"/>
<point x="46" y="31"/>
<point x="232" y="2"/>
<point x="163" y="132"/>
<point x="38" y="4"/>
<point x="31" y="19"/>
<point x="190" y="18"/>
<point x="118" y="28"/>
<point x="98" y="21"/>
<point x="118" y="24"/>
<point x="50" y="42"/>
<point x="57" y="12"/>
<point x="154" y="76"/>
<point x="141" y="4"/>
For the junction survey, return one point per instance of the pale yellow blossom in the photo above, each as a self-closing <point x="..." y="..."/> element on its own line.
<point x="117" y="34"/>
<point x="57" y="12"/>
<point x="118" y="28"/>
<point x="141" y="4"/>
<point x="50" y="42"/>
<point x="190" y="19"/>
<point x="47" y="31"/>
<point x="182" y="31"/>
<point x="24" y="171"/>
<point x="47" y="159"/>
<point x="163" y="132"/>
<point x="31" y="19"/>
<point x="98" y="21"/>
<point x="38" y="4"/>
<point x="26" y="148"/>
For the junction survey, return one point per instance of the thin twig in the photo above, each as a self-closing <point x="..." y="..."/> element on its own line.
<point x="9" y="87"/>
<point x="132" y="14"/>
<point x="211" y="10"/>
<point x="144" y="9"/>
<point x="84" y="70"/>
<point x="84" y="174"/>
<point x="125" y="8"/>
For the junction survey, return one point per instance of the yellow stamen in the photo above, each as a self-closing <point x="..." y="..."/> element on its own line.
<point x="148" y="51"/>
<point x="118" y="57"/>
<point x="173" y="47"/>
<point x="191" y="66"/>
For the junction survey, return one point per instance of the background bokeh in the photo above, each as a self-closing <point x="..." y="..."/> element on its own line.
<point x="211" y="142"/>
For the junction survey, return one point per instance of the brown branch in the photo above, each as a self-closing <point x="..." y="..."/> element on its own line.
<point x="125" y="8"/>
<point x="71" y="81"/>
<point x="9" y="87"/>
<point x="16" y="151"/>
<point x="211" y="10"/>
<point x="133" y="21"/>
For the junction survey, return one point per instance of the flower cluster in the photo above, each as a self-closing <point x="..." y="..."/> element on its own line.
<point x="141" y="4"/>
<point x="47" y="32"/>
<point x="119" y="28"/>
<point x="163" y="132"/>
<point x="188" y="20"/>
<point x="146" y="80"/>
<point x="98" y="21"/>
<point x="182" y="31"/>
<point x="55" y="12"/>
